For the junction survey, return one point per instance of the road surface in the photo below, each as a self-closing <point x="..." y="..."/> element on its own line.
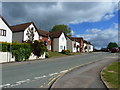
<point x="37" y="74"/>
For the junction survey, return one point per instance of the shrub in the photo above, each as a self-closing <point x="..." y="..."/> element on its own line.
<point x="38" y="48"/>
<point x="47" y="55"/>
<point x="67" y="52"/>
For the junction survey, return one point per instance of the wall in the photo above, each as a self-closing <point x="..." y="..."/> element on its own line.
<point x="55" y="45"/>
<point x="18" y="36"/>
<point x="62" y="42"/>
<point x="36" y="35"/>
<point x="91" y="48"/>
<point x="32" y="57"/>
<point x="6" y="57"/>
<point x="69" y="44"/>
<point x="8" y="37"/>
<point x="77" y="43"/>
<point x="74" y="48"/>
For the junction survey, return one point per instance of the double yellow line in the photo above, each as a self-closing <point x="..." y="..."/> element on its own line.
<point x="52" y="79"/>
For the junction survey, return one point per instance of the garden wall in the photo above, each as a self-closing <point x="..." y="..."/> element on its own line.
<point x="6" y="57"/>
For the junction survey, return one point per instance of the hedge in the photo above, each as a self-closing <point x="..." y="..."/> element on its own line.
<point x="21" y="51"/>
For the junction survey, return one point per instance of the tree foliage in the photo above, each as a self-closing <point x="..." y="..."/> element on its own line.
<point x="38" y="48"/>
<point x="64" y="28"/>
<point x="112" y="45"/>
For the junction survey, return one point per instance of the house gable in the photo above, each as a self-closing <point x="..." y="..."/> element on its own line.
<point x="5" y="31"/>
<point x="36" y="34"/>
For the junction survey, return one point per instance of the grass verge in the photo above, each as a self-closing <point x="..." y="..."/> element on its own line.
<point x="55" y="54"/>
<point x="111" y="76"/>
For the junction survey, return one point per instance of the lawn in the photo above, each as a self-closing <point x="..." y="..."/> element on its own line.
<point x="55" y="54"/>
<point x="111" y="76"/>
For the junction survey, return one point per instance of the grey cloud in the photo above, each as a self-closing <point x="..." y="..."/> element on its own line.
<point x="45" y="15"/>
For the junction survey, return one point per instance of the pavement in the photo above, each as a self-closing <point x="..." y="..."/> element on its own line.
<point x="87" y="76"/>
<point x="39" y="73"/>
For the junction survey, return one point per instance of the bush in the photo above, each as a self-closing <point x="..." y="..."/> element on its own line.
<point x="47" y="55"/>
<point x="38" y="48"/>
<point x="21" y="51"/>
<point x="67" y="52"/>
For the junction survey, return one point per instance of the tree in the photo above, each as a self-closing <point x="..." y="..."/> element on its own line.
<point x="64" y="28"/>
<point x="112" y="45"/>
<point x="38" y="48"/>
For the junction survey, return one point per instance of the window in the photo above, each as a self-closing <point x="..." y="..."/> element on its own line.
<point x="49" y="47"/>
<point x="62" y="38"/>
<point x="40" y="37"/>
<point x="2" y="32"/>
<point x="61" y="47"/>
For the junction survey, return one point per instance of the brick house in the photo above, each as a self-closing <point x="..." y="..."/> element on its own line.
<point x="45" y="37"/>
<point x="80" y="43"/>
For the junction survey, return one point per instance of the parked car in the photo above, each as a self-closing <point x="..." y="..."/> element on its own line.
<point x="114" y="50"/>
<point x="105" y="50"/>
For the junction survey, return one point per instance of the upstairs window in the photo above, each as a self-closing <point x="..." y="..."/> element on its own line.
<point x="2" y="32"/>
<point x="40" y="37"/>
<point x="62" y="38"/>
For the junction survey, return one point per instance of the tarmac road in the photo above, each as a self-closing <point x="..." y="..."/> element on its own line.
<point x="37" y="74"/>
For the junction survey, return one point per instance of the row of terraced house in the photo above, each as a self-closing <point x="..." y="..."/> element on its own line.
<point x="55" y="41"/>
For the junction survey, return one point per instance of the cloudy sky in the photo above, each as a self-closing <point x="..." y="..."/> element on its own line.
<point x="95" y="21"/>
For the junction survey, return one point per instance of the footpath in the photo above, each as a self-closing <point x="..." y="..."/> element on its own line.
<point x="86" y="76"/>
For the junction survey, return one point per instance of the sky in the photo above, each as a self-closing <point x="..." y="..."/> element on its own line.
<point x="96" y="22"/>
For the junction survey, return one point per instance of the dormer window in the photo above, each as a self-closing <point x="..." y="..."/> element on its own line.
<point x="2" y="32"/>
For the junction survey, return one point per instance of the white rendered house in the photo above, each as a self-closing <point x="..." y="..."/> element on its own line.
<point x="5" y="31"/>
<point x="22" y="32"/>
<point x="59" y="41"/>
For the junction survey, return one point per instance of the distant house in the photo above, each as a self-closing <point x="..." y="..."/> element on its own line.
<point x="5" y="31"/>
<point x="25" y="32"/>
<point x="45" y="37"/>
<point x="88" y="47"/>
<point x="79" y="43"/>
<point x="72" y="44"/>
<point x="59" y="41"/>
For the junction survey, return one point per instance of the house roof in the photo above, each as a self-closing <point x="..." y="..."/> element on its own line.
<point x="5" y="22"/>
<point x="87" y="42"/>
<point x="77" y="39"/>
<point x="55" y="34"/>
<point x="70" y="37"/>
<point x="43" y="33"/>
<point x="20" y="27"/>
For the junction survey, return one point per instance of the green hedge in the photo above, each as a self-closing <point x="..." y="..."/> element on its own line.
<point x="5" y="47"/>
<point x="21" y="51"/>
